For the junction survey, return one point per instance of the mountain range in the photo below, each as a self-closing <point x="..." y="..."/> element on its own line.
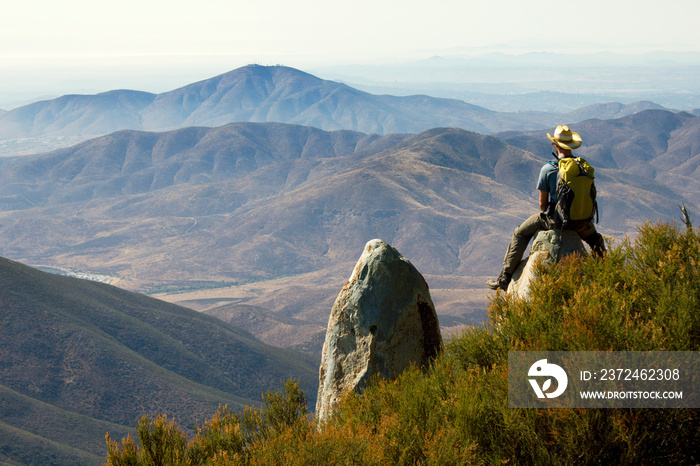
<point x="263" y="94"/>
<point x="79" y="359"/>
<point x="255" y="206"/>
<point x="252" y="93"/>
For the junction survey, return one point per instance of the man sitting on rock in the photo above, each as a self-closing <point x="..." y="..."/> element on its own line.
<point x="564" y="141"/>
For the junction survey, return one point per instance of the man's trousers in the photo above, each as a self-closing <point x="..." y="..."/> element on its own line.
<point x="541" y="221"/>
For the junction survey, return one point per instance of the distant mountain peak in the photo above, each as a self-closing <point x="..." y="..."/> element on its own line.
<point x="258" y="93"/>
<point x="275" y="72"/>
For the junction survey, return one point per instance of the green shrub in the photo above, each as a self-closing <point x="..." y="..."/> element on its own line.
<point x="227" y="436"/>
<point x="161" y="441"/>
<point x="642" y="296"/>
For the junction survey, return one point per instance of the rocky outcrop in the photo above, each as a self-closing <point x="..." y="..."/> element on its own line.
<point x="549" y="246"/>
<point x="382" y="322"/>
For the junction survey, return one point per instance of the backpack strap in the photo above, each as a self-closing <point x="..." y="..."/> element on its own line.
<point x="595" y="201"/>
<point x="581" y="168"/>
<point x="595" y="207"/>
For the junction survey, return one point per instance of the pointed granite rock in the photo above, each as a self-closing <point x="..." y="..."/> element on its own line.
<point x="382" y="322"/>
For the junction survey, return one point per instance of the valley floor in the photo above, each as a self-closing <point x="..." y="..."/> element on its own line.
<point x="292" y="312"/>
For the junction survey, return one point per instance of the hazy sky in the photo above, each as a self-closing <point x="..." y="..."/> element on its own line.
<point x="45" y="44"/>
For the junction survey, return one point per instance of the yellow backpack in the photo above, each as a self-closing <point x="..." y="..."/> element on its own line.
<point x="576" y="193"/>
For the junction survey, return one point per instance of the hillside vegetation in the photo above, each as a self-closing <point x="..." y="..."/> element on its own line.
<point x="79" y="358"/>
<point x="642" y="296"/>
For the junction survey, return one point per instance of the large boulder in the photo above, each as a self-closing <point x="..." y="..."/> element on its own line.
<point x="549" y="246"/>
<point x="382" y="322"/>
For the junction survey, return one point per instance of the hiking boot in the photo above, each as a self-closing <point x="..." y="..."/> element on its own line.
<point x="501" y="282"/>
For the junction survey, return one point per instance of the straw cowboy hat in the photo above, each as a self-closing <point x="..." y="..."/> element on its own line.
<point x="565" y="138"/>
